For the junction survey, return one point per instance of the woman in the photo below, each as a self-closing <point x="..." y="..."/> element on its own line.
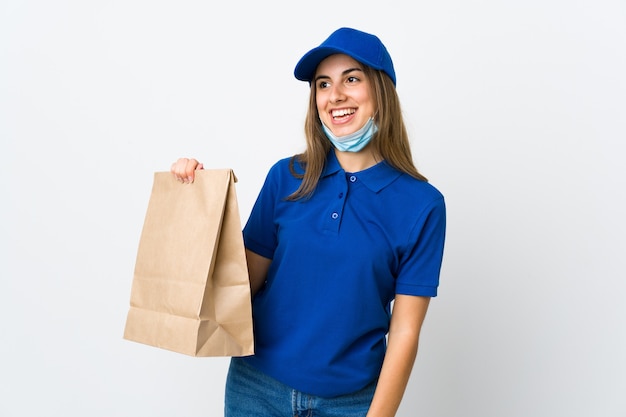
<point x="336" y="234"/>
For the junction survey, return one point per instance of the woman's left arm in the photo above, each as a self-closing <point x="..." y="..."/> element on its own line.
<point x="404" y="330"/>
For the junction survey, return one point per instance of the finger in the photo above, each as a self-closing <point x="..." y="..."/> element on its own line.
<point x="177" y="168"/>
<point x="190" y="169"/>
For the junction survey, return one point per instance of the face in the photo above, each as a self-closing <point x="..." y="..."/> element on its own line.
<point x="343" y="95"/>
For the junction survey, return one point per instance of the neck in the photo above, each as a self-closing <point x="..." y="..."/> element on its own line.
<point x="357" y="161"/>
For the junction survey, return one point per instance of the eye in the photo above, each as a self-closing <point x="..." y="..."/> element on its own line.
<point x="352" y="79"/>
<point x="322" y="84"/>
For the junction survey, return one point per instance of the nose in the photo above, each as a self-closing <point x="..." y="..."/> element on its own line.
<point x="337" y="94"/>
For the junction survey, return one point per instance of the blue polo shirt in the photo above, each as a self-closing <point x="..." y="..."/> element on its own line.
<point x="338" y="259"/>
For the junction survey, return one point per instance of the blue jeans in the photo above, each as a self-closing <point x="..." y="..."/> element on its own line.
<point x="251" y="393"/>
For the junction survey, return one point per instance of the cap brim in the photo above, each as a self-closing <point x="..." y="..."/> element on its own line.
<point x="305" y="68"/>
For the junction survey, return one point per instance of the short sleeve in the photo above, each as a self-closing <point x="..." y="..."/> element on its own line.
<point x="420" y="266"/>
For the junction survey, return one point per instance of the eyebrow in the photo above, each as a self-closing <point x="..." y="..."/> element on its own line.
<point x="346" y="72"/>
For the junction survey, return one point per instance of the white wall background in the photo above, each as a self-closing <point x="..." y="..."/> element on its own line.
<point x="518" y="114"/>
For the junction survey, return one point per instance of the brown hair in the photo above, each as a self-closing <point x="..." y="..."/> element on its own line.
<point x="391" y="142"/>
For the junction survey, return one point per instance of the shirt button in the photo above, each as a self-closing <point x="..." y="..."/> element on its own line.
<point x="335" y="215"/>
<point x="340" y="195"/>
<point x="352" y="178"/>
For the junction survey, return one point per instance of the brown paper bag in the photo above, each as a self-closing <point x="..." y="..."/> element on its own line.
<point x="191" y="292"/>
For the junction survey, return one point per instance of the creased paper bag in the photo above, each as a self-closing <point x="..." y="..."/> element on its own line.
<point x="190" y="291"/>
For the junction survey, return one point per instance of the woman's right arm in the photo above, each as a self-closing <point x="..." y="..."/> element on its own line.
<point x="257" y="269"/>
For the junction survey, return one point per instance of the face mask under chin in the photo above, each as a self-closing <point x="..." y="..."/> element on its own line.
<point x="352" y="142"/>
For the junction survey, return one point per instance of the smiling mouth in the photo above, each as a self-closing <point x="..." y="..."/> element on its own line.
<point x="338" y="114"/>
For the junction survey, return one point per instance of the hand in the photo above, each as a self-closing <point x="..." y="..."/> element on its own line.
<point x="184" y="169"/>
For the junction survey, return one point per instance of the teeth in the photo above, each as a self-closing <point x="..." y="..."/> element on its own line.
<point x="342" y="112"/>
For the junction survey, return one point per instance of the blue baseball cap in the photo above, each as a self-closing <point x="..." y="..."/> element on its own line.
<point x="363" y="47"/>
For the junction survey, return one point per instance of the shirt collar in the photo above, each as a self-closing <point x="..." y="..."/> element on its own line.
<point x="375" y="178"/>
